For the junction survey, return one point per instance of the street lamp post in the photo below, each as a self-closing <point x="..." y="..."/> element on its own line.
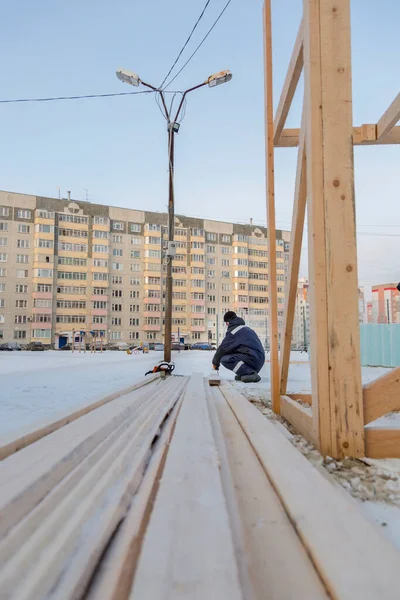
<point x="172" y="128"/>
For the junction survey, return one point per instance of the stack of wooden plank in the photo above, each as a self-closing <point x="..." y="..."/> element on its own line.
<point x="182" y="491"/>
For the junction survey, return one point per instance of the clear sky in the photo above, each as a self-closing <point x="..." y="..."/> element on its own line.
<point x="116" y="147"/>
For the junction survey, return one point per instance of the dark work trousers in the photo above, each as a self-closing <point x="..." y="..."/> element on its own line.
<point x="241" y="364"/>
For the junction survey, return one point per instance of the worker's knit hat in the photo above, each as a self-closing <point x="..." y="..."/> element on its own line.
<point x="228" y="316"/>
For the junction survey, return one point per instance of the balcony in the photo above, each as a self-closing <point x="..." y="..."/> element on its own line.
<point x="151" y="327"/>
<point x="43" y="295"/>
<point x="198" y="328"/>
<point x="99" y="312"/>
<point x="37" y="325"/>
<point x="149" y="300"/>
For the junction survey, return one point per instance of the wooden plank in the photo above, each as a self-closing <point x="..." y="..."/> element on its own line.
<point x="113" y="578"/>
<point x="362" y="136"/>
<point x="299" y="417"/>
<point x="299" y="212"/>
<point x="306" y="398"/>
<point x="389" y="118"/>
<point x="353" y="558"/>
<point x="270" y="188"/>
<point x="277" y="563"/>
<point x="188" y="548"/>
<point x="28" y="476"/>
<point x="20" y="439"/>
<point x="344" y="365"/>
<point x="382" y="442"/>
<point x="316" y="226"/>
<point x="381" y="395"/>
<point x="65" y="550"/>
<point x="290" y="85"/>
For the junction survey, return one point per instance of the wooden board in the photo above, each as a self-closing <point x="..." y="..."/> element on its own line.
<point x="188" y="549"/>
<point x="290" y="85"/>
<point x="300" y="417"/>
<point x="20" y="439"/>
<point x="299" y="212"/>
<point x="277" y="563"/>
<point x="361" y="137"/>
<point x="389" y="119"/>
<point x="270" y="188"/>
<point x="114" y="576"/>
<point x="381" y="395"/>
<point x="303" y="397"/>
<point x="382" y="442"/>
<point x="353" y="558"/>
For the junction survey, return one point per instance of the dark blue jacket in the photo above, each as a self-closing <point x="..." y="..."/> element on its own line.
<point x="241" y="340"/>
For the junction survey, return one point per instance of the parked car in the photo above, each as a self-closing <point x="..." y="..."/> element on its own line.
<point x="66" y="347"/>
<point x="118" y="346"/>
<point x="201" y="346"/>
<point x="177" y="346"/>
<point x="151" y="345"/>
<point x="159" y="347"/>
<point x="35" y="346"/>
<point x="10" y="347"/>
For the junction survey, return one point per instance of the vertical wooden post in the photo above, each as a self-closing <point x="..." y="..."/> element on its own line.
<point x="270" y="184"/>
<point x="335" y="352"/>
<point x="296" y="238"/>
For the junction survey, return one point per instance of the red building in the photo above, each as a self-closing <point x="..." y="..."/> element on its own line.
<point x="384" y="303"/>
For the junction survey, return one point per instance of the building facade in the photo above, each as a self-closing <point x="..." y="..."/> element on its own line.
<point x="301" y="324"/>
<point x="70" y="265"/>
<point x="384" y="303"/>
<point x="361" y="305"/>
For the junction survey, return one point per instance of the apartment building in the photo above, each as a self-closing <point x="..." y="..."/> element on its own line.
<point x="384" y="303"/>
<point x="69" y="265"/>
<point x="301" y="324"/>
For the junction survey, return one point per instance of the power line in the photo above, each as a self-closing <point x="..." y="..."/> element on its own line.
<point x="186" y="43"/>
<point x="201" y="43"/>
<point x="74" y="97"/>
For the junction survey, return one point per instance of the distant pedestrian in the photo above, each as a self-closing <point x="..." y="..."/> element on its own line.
<point x="240" y="351"/>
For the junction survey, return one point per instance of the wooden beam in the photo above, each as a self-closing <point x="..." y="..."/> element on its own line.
<point x="270" y="185"/>
<point x="290" y="85"/>
<point x="382" y="395"/>
<point x="268" y="541"/>
<point x="300" y="418"/>
<point x="382" y="442"/>
<point x="335" y="361"/>
<point x="306" y="398"/>
<point x="389" y="119"/>
<point x="296" y="239"/>
<point x="330" y="525"/>
<point x="316" y="227"/>
<point x="365" y="135"/>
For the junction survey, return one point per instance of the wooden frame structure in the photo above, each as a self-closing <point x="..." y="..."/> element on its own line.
<point x="325" y="188"/>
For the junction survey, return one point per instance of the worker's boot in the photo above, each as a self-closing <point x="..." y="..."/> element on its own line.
<point x="252" y="378"/>
<point x="238" y="378"/>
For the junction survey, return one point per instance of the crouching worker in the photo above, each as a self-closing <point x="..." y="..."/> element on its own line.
<point x="240" y="351"/>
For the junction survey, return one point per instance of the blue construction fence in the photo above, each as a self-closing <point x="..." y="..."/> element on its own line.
<point x="380" y="345"/>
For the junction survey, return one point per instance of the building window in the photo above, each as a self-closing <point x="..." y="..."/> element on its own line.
<point x="117" y="266"/>
<point x="101" y="220"/>
<point x="116" y="293"/>
<point x="136" y="227"/>
<point x="41" y="303"/>
<point x="116" y="321"/>
<point x="99" y="262"/>
<point x="102" y="235"/>
<point x="151" y="335"/>
<point x="196" y="335"/>
<point x="225" y="262"/>
<point x="133" y="335"/>
<point x="2" y="287"/>
<point x="45" y="287"/>
<point x="136" y="268"/>
<point x="134" y="322"/>
<point x="42" y="333"/>
<point x="210" y="273"/>
<point x="70" y="218"/>
<point x="197" y="232"/>
<point x="118" y="225"/>
<point x="20" y="334"/>
<point x="134" y="281"/>
<point x="3" y="272"/>
<point x="100" y="248"/>
<point x="134" y="294"/>
<point x="99" y="304"/>
<point x="21" y="304"/>
<point x="116" y="307"/>
<point x="116" y="335"/>
<point x="117" y="279"/>
<point x="3" y="241"/>
<point x="135" y="253"/>
<point x="40" y="228"/>
<point x="22" y="273"/>
<point x="136" y="240"/>
<point x="66" y="275"/>
<point x="197" y="245"/>
<point x="22" y="258"/>
<point x="225" y="250"/>
<point x="98" y="320"/>
<point x="4" y="211"/>
<point x="100" y="276"/>
<point x="20" y="319"/>
<point x="117" y="252"/>
<point x="226" y="239"/>
<point x="211" y="285"/>
<point x="2" y="303"/>
<point x="71" y="319"/>
<point x="197" y="257"/>
<point x="3" y="226"/>
<point x="211" y="249"/>
<point x="117" y="238"/>
<point x="3" y="257"/>
<point x="23" y="214"/>
<point x="134" y="308"/>
<point x="211" y="261"/>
